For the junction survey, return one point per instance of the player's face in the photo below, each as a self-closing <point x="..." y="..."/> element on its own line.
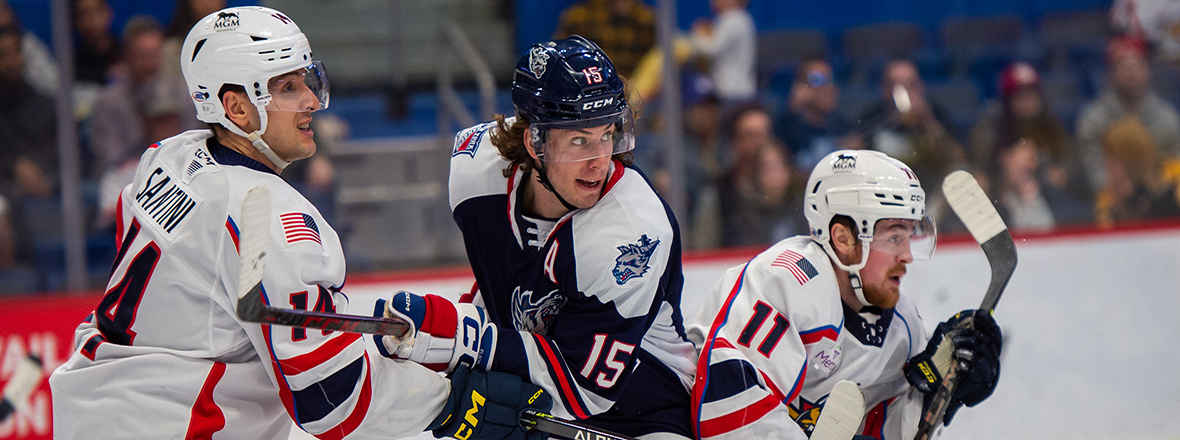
<point x="580" y="183"/>
<point x="288" y="127"/>
<point x="889" y="253"/>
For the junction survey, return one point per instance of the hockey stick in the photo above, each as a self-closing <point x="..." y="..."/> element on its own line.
<point x="841" y="413"/>
<point x="253" y="231"/>
<point x="979" y="215"/>
<point x="24" y="380"/>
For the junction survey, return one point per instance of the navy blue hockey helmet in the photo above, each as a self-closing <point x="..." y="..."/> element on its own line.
<point x="571" y="84"/>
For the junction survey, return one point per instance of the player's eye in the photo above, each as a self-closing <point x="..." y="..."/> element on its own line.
<point x="606" y="137"/>
<point x="578" y="141"/>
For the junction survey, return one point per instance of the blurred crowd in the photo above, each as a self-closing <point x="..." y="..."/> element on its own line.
<point x="126" y="95"/>
<point x="1103" y="151"/>
<point x="752" y="135"/>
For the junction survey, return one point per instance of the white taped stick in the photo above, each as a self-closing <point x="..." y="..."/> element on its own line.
<point x="840" y="417"/>
<point x="972" y="206"/>
<point x="253" y="231"/>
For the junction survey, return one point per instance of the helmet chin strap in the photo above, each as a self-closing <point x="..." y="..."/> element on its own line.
<point x="853" y="271"/>
<point x="255" y="137"/>
<point x="549" y="186"/>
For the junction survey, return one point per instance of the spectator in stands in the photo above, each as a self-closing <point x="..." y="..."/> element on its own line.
<point x="97" y="46"/>
<point x="624" y="29"/>
<point x="40" y="69"/>
<point x="729" y="42"/>
<point x="907" y="126"/>
<point x="1137" y="186"/>
<point x="28" y="143"/>
<point x="1127" y="93"/>
<point x="758" y="200"/>
<point x="703" y="162"/>
<point x="28" y="150"/>
<point x="810" y="126"/>
<point x="184" y="16"/>
<point x="139" y="107"/>
<point x="1021" y="124"/>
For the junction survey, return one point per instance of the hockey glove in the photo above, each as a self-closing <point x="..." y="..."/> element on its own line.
<point x="975" y="348"/>
<point x="488" y="405"/>
<point x="442" y="334"/>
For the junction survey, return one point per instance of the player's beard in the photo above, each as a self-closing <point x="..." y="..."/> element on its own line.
<point x="883" y="293"/>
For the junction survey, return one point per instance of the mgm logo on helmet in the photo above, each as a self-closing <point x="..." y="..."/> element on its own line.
<point x="844" y="163"/>
<point x="226" y="21"/>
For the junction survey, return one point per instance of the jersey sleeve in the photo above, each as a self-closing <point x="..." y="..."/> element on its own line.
<point x="327" y="382"/>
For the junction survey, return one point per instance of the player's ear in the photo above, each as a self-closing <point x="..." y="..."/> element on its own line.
<point x="240" y="111"/>
<point x="528" y="142"/>
<point x="845" y="243"/>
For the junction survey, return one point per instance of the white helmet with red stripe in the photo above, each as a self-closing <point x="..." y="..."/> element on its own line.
<point x="866" y="186"/>
<point x="248" y="46"/>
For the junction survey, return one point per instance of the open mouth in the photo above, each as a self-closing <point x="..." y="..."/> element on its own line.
<point x="305" y="127"/>
<point x="589" y="184"/>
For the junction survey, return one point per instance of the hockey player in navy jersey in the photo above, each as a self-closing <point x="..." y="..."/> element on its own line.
<point x="576" y="258"/>
<point x="777" y="333"/>
<point x="164" y="355"/>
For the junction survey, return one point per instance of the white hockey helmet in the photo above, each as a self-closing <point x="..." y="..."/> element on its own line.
<point x="247" y="46"/>
<point x="866" y="186"/>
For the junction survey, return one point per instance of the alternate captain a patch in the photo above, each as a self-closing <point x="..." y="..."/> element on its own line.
<point x="467" y="141"/>
<point x="799" y="266"/>
<point x="633" y="258"/>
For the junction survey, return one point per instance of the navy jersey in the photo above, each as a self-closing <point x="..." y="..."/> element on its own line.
<point x="588" y="305"/>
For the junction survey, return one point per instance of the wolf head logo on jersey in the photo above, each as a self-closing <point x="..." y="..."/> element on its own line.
<point x="633" y="261"/>
<point x="535" y="315"/>
<point x="538" y="58"/>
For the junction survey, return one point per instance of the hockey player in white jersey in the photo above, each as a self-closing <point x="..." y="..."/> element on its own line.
<point x="777" y="333"/>
<point x="576" y="258"/>
<point x="164" y="354"/>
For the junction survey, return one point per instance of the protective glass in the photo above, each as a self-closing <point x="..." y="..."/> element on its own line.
<point x="898" y="237"/>
<point x="584" y="139"/>
<point x="302" y="90"/>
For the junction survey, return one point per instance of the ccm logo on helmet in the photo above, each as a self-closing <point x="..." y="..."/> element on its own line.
<point x="597" y="104"/>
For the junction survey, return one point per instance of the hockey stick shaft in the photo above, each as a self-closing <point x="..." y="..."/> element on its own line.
<point x="254" y="231"/>
<point x="976" y="211"/>
<point x="842" y="411"/>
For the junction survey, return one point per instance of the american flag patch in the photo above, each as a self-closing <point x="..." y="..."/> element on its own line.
<point x="298" y="226"/>
<point x="799" y="266"/>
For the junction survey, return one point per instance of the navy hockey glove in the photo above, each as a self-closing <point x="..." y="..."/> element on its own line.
<point x="488" y="405"/>
<point x="977" y="351"/>
<point x="442" y="334"/>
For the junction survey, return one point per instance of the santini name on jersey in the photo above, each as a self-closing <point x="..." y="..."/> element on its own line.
<point x="165" y="200"/>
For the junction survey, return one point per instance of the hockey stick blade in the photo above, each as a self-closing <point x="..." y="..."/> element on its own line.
<point x="21" y="384"/>
<point x="567" y="428"/>
<point x="253" y="233"/>
<point x="841" y="414"/>
<point x="978" y="213"/>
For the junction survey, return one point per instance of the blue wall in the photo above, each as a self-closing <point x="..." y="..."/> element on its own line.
<point x="537" y="19"/>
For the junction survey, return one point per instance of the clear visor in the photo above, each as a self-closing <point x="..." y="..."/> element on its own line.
<point x="584" y="139"/>
<point x="302" y="90"/>
<point x="900" y="237"/>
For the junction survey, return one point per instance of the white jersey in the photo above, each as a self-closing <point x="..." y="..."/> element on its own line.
<point x="775" y="339"/>
<point x="164" y="354"/>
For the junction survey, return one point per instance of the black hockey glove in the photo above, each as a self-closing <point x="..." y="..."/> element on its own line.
<point x="977" y="351"/>
<point x="488" y="405"/>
